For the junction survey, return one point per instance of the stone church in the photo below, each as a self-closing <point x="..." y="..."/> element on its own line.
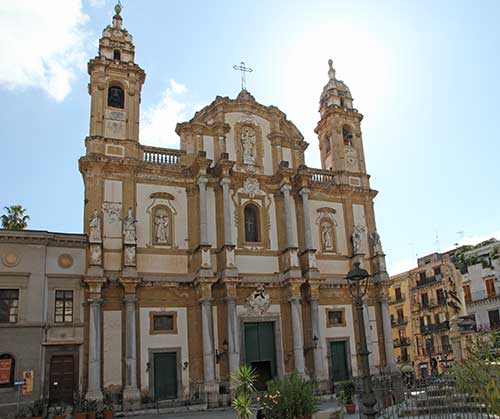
<point x="226" y="251"/>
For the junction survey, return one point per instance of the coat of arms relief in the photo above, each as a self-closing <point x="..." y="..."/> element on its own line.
<point x="258" y="302"/>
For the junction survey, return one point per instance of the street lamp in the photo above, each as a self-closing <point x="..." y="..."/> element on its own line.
<point x="357" y="279"/>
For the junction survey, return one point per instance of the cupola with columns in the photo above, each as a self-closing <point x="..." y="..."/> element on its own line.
<point x="339" y="132"/>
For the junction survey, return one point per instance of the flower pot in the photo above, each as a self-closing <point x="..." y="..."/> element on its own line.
<point x="350" y="408"/>
<point x="107" y="414"/>
<point x="80" y="415"/>
<point x="91" y="415"/>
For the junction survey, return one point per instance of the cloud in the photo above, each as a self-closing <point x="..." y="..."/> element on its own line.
<point x="97" y="3"/>
<point x="159" y="120"/>
<point x="401" y="266"/>
<point x="42" y="45"/>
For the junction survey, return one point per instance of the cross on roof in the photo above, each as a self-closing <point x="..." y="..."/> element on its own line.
<point x="243" y="70"/>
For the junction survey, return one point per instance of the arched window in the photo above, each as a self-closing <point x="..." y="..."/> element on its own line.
<point x="7" y="368"/>
<point x="347" y="135"/>
<point x="116" y="55"/>
<point x="251" y="214"/>
<point x="116" y="98"/>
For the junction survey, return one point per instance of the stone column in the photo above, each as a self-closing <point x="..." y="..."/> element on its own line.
<point x="208" y="349"/>
<point x="228" y="237"/>
<point x="390" y="359"/>
<point x="94" y="391"/>
<point x="291" y="231"/>
<point x="298" y="339"/>
<point x="232" y="336"/>
<point x="202" y="184"/>
<point x="131" y="393"/>
<point x="304" y="192"/>
<point x="320" y="371"/>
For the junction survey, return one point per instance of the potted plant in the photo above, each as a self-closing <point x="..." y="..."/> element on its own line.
<point x="244" y="391"/>
<point x="107" y="411"/>
<point x="290" y="397"/>
<point x="80" y="408"/>
<point x="346" y="394"/>
<point x="38" y="409"/>
<point x="91" y="409"/>
<point x="59" y="413"/>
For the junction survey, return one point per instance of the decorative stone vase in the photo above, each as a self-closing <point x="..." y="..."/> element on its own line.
<point x="107" y="414"/>
<point x="350" y="408"/>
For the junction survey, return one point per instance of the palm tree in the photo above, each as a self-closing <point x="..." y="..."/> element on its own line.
<point x="15" y="219"/>
<point x="245" y="388"/>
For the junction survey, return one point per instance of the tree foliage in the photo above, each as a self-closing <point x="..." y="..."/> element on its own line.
<point x="15" y="218"/>
<point x="479" y="373"/>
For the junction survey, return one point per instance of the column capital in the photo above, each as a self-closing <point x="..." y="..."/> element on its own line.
<point x="295" y="299"/>
<point x="202" y="180"/>
<point x="130" y="284"/>
<point x="286" y="188"/>
<point x="129" y="299"/>
<point x="226" y="180"/>
<point x="304" y="191"/>
<point x="94" y="284"/>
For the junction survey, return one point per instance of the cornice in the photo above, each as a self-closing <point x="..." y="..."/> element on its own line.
<point x="41" y="237"/>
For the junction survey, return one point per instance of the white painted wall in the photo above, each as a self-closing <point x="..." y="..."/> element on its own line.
<point x="257" y="264"/>
<point x="340" y="224"/>
<point x="112" y="348"/>
<point x="360" y="219"/>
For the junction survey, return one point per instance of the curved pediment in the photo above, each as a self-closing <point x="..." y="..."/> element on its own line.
<point x="256" y="137"/>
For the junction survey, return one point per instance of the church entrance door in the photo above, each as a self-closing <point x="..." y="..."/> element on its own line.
<point x="340" y="369"/>
<point x="165" y="375"/>
<point x="260" y="351"/>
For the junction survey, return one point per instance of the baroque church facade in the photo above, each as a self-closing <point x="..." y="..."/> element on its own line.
<point x="226" y="251"/>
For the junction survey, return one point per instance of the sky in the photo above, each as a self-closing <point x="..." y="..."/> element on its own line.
<point x="425" y="75"/>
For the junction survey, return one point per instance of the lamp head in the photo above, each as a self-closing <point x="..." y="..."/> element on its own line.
<point x="357" y="274"/>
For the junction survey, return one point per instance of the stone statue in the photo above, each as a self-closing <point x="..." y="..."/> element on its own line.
<point x="95" y="227"/>
<point x="129" y="228"/>
<point x="248" y="142"/>
<point x="162" y="228"/>
<point x="357" y="237"/>
<point x="95" y="254"/>
<point x="326" y="234"/>
<point x="376" y="244"/>
<point x="129" y="256"/>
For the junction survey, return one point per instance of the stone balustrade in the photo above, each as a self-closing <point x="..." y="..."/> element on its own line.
<point x="161" y="155"/>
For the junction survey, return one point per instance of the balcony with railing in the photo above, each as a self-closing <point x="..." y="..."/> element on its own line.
<point x="435" y="327"/>
<point x="321" y="177"/>
<point x="428" y="281"/>
<point x="163" y="156"/>
<point x="432" y="303"/>
<point x="399" y="322"/>
<point x="401" y="342"/>
<point x="482" y="296"/>
<point x="398" y="299"/>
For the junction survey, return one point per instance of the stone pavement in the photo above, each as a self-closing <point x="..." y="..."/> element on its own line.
<point x="220" y="413"/>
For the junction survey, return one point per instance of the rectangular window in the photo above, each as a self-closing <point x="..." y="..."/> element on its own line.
<point x="401" y="316"/>
<point x="421" y="275"/>
<point x="490" y="287"/>
<point x="440" y="296"/>
<point x="162" y="322"/>
<point x="335" y="318"/>
<point x="437" y="270"/>
<point x="63" y="312"/>
<point x="397" y="293"/>
<point x="425" y="300"/>
<point x="494" y="317"/>
<point x="9" y="305"/>
<point x="467" y="294"/>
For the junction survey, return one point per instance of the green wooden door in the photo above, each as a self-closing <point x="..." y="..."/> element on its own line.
<point x="165" y="373"/>
<point x="260" y="351"/>
<point x="340" y="369"/>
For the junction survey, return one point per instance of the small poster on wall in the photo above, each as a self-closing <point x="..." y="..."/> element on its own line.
<point x="5" y="366"/>
<point x="27" y="387"/>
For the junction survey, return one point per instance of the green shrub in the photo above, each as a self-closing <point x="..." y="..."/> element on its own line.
<point x="345" y="392"/>
<point x="290" y="398"/>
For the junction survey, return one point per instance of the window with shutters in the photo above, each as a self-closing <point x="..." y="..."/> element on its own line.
<point x="251" y="214"/>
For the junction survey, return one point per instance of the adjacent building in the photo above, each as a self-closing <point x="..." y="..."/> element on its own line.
<point x="41" y="316"/>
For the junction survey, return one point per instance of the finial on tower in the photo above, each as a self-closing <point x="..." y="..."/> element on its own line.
<point x="117" y="19"/>
<point x="331" y="70"/>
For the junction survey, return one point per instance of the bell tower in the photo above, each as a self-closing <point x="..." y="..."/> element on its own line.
<point x="339" y="133"/>
<point x="115" y="85"/>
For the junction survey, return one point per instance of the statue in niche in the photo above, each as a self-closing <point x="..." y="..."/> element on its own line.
<point x="357" y="237"/>
<point x="327" y="237"/>
<point x="95" y="254"/>
<point x="129" y="256"/>
<point x="248" y="143"/>
<point x="129" y="228"/>
<point x="162" y="223"/>
<point x="376" y="244"/>
<point x="95" y="227"/>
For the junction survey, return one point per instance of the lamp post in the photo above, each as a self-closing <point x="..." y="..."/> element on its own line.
<point x="357" y="279"/>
